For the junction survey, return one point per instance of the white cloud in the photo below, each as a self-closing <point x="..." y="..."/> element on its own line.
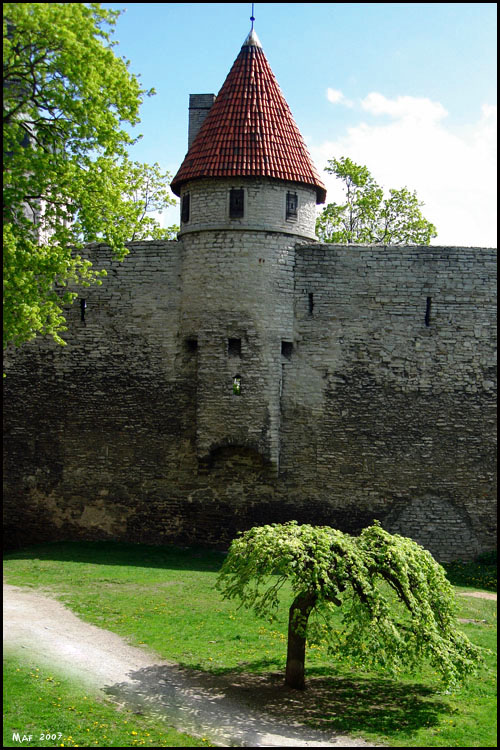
<point x="337" y="97"/>
<point x="453" y="173"/>
<point x="404" y="107"/>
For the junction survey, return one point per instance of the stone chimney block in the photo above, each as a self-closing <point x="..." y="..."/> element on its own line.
<point x="199" y="107"/>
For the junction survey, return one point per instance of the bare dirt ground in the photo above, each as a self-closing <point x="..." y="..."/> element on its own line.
<point x="479" y="594"/>
<point x="235" y="710"/>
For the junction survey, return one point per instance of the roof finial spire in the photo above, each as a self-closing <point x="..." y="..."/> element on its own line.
<point x="252" y="39"/>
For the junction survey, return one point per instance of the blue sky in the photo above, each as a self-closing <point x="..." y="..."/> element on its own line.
<point x="408" y="89"/>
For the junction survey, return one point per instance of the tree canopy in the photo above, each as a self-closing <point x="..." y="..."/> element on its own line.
<point x="398" y="608"/>
<point x="68" y="179"/>
<point x="366" y="216"/>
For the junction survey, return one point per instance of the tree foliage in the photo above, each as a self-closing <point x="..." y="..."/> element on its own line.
<point x="398" y="607"/>
<point x="68" y="179"/>
<point x="366" y="216"/>
<point x="148" y="189"/>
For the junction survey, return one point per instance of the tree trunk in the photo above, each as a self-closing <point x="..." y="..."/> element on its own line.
<point x="297" y="628"/>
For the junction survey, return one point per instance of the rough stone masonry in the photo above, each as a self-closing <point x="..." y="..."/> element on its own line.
<point x="371" y="395"/>
<point x="246" y="374"/>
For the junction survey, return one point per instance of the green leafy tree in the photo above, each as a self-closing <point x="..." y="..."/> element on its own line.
<point x="398" y="607"/>
<point x="149" y="190"/>
<point x="366" y="217"/>
<point x="67" y="176"/>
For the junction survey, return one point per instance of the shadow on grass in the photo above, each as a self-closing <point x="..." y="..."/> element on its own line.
<point x="348" y="703"/>
<point x="475" y="574"/>
<point x="372" y="704"/>
<point x="260" y="703"/>
<point x="481" y="574"/>
<point x="126" y="554"/>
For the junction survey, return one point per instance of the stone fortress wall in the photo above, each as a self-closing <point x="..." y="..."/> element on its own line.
<point x="367" y="390"/>
<point x="246" y="374"/>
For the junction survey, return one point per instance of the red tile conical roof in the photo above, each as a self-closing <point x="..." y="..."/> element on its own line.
<point x="249" y="130"/>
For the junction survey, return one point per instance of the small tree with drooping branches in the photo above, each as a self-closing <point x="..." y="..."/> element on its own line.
<point x="368" y="576"/>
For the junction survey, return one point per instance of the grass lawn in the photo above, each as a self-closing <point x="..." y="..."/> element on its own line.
<point x="57" y="712"/>
<point x="165" y="597"/>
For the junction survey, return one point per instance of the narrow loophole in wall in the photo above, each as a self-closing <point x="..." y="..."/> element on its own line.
<point x="291" y="205"/>
<point x="185" y="207"/>
<point x="191" y="345"/>
<point x="83" y="307"/>
<point x="428" y="312"/>
<point x="311" y="303"/>
<point x="287" y="349"/>
<point x="234" y="347"/>
<point x="237" y="385"/>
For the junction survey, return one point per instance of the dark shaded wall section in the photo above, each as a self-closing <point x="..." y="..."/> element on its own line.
<point x="394" y="390"/>
<point x="387" y="407"/>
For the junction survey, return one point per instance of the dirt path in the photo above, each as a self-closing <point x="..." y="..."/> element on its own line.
<point x="478" y="594"/>
<point x="228" y="709"/>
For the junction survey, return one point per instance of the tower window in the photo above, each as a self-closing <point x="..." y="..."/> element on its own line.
<point x="234" y="347"/>
<point x="292" y="203"/>
<point x="191" y="345"/>
<point x="236" y="203"/>
<point x="237" y="385"/>
<point x="286" y="349"/>
<point x="185" y="208"/>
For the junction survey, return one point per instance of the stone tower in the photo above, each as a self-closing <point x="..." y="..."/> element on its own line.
<point x="245" y="374"/>
<point x="248" y="193"/>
